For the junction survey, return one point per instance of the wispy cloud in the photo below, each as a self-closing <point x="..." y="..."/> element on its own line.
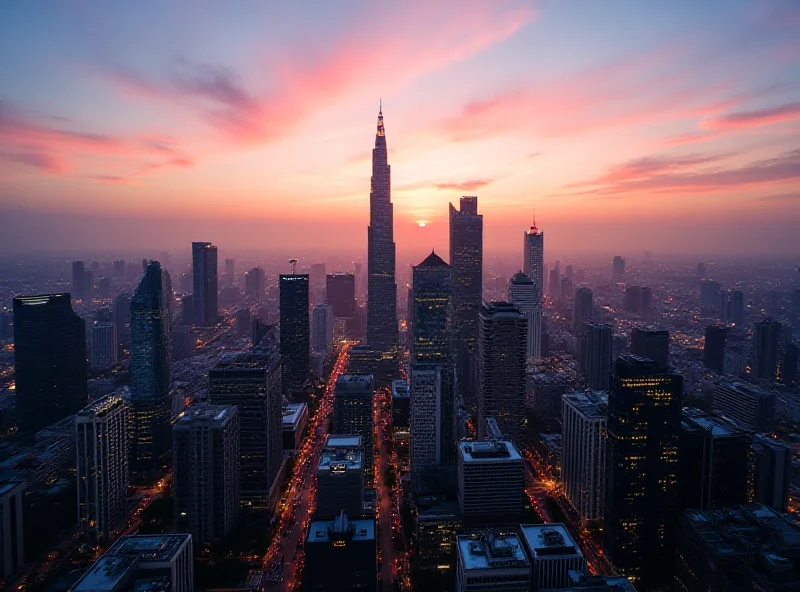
<point x="782" y="197"/>
<point x="471" y="185"/>
<point x="757" y="117"/>
<point x="38" y="160"/>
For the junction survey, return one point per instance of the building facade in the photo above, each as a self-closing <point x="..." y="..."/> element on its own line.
<point x="295" y="331"/>
<point x="596" y="347"/>
<point x="490" y="481"/>
<point x="495" y="561"/>
<point x="353" y="414"/>
<point x="554" y="554"/>
<point x="205" y="284"/>
<point x="524" y="295"/>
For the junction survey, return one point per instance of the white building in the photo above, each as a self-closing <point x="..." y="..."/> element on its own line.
<point x="102" y="445"/>
<point x="322" y="328"/>
<point x="12" y="546"/>
<point x="493" y="562"/>
<point x="583" y="451"/>
<point x="526" y="298"/>
<point x="490" y="479"/>
<point x="104" y="345"/>
<point x="553" y="555"/>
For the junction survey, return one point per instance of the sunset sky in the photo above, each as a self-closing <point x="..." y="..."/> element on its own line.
<point x="627" y="125"/>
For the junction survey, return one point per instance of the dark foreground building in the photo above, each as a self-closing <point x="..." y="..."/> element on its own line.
<point x="341" y="555"/>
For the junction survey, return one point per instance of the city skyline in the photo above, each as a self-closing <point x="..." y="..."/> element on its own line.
<point x="603" y="138"/>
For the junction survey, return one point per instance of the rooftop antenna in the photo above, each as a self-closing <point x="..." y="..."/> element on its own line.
<point x="293" y="263"/>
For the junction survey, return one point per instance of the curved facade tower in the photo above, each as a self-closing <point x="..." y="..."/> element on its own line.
<point x="381" y="286"/>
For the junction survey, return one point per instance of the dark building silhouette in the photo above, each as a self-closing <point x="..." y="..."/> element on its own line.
<point x="596" y="342"/>
<point x="582" y="309"/>
<point x="150" y="370"/>
<point x="341" y="555"/>
<point x="789" y="363"/>
<point x="205" y="284"/>
<point x="254" y="285"/>
<point x="734" y="311"/>
<point x="49" y="361"/>
<point x="382" y="332"/>
<point x="643" y="433"/>
<point x="466" y="260"/>
<point x="713" y="454"/>
<point x="651" y="343"/>
<point x="502" y="340"/>
<point x="618" y="268"/>
<point x="295" y="331"/>
<point x="714" y="348"/>
<point x="770" y="472"/>
<point x="766" y="334"/>
<point x="341" y="290"/>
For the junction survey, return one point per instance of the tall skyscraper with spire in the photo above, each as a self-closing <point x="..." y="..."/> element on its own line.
<point x="534" y="256"/>
<point x="381" y="286"/>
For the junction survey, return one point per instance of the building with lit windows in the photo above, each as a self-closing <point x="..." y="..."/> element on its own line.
<point x="295" y="332"/>
<point x="353" y="414"/>
<point x="340" y="478"/>
<point x="104" y="345"/>
<point x="205" y="288"/>
<point x="495" y="561"/>
<point x="205" y="482"/>
<point x="341" y="554"/>
<point x="553" y="555"/>
<point x="642" y="464"/>
<point x="102" y="446"/>
<point x="583" y="451"/>
<point x="490" y="482"/>
<point x="251" y="381"/>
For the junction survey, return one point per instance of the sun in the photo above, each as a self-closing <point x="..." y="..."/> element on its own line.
<point x="422" y="223"/>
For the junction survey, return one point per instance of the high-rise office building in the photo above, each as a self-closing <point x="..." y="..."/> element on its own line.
<point x="618" y="269"/>
<point x="352" y="414"/>
<point x="295" y="331"/>
<point x="205" y="482"/>
<point x="651" y="343"/>
<point x="382" y="332"/>
<point x="466" y="260"/>
<point x="554" y="284"/>
<point x="490" y="481"/>
<point x="769" y="472"/>
<point x="119" y="269"/>
<point x="502" y="341"/>
<point x="205" y="288"/>
<point x="254" y="285"/>
<point x="252" y="382"/>
<point x="710" y="297"/>
<point x="101" y="443"/>
<point x="122" y="319"/>
<point x="643" y="432"/>
<point x="78" y="280"/>
<point x="714" y="348"/>
<point x="150" y="370"/>
<point x="432" y="442"/>
<point x="533" y="257"/>
<point x="49" y="361"/>
<point x="749" y="406"/>
<point x="340" y="478"/>
<point x="12" y="535"/>
<point x="230" y="271"/>
<point x="554" y="556"/>
<point x="316" y="283"/>
<point x="524" y="295"/>
<point x="432" y="293"/>
<point x="104" y="345"/>
<point x="596" y="342"/>
<point x="565" y="294"/>
<point x="583" y="451"/>
<point x="581" y="309"/>
<point x="735" y="308"/>
<point x="322" y="328"/>
<point x="341" y="291"/>
<point x="344" y="547"/>
<point x="789" y="363"/>
<point x="712" y="457"/>
<point x="766" y="334"/>
<point x="496" y="561"/>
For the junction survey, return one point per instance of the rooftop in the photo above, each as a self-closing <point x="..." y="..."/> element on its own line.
<point x="743" y="388"/>
<point x="292" y="413"/>
<point x="106" y="573"/>
<point x="342" y="441"/>
<point x="155" y="548"/>
<point x="481" y="452"/>
<point x="492" y="552"/>
<point x="102" y="406"/>
<point x="400" y="388"/>
<point x="695" y="419"/>
<point x="320" y="531"/>
<point x="354" y="384"/>
<point x="205" y="414"/>
<point x="499" y="309"/>
<point x="10" y="486"/>
<point x="591" y="404"/>
<point x="433" y="260"/>
<point x="339" y="460"/>
<point x="548" y="540"/>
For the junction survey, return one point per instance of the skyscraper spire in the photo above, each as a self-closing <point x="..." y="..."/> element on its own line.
<point x="381" y="132"/>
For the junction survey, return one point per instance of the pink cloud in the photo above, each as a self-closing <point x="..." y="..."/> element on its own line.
<point x="39" y="160"/>
<point x="465" y="185"/>
<point x="757" y="117"/>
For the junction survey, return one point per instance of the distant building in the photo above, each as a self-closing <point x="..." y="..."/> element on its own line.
<point x="205" y="289"/>
<point x="49" y="361"/>
<point x="642" y="445"/>
<point x="740" y="548"/>
<point x="596" y="355"/>
<point x="651" y="343"/>
<point x="252" y="382"/>
<point x="12" y="541"/>
<point x="618" y="269"/>
<point x="322" y="328"/>
<point x="581" y="309"/>
<point x="525" y="296"/>
<point x="104" y="345"/>
<point x="341" y="554"/>
<point x="583" y="452"/>
<point x="102" y="445"/>
<point x="205" y="483"/>
<point x="295" y="331"/>
<point x="495" y="561"/>
<point x="766" y="334"/>
<point x="770" y="473"/>
<point x="714" y="348"/>
<point x="553" y="555"/>
<point x="546" y="390"/>
<point x="143" y="563"/>
<point x="254" y="285"/>
<point x="490" y="481"/>
<point x="750" y="406"/>
<point x="789" y="363"/>
<point x="502" y="339"/>
<point x="341" y="295"/>
<point x="533" y="257"/>
<point x="711" y="456"/>
<point x="294" y="423"/>
<point x="735" y="308"/>
<point x="340" y="481"/>
<point x="353" y="414"/>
